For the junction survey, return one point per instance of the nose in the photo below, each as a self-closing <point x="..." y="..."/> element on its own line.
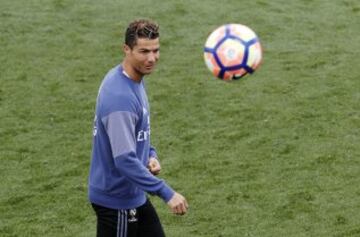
<point x="153" y="57"/>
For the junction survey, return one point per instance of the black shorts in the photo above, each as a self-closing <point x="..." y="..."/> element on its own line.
<point x="140" y="222"/>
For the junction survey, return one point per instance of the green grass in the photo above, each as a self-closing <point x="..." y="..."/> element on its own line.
<point x="275" y="154"/>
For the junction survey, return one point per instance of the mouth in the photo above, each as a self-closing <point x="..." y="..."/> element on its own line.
<point x="149" y="67"/>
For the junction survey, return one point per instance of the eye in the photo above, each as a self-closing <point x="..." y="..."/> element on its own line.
<point x="144" y="51"/>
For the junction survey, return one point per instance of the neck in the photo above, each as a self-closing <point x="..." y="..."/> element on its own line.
<point x="131" y="72"/>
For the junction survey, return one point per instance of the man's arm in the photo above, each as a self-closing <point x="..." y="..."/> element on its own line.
<point x="120" y="127"/>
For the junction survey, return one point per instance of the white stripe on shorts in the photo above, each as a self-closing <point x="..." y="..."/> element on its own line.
<point x="122" y="223"/>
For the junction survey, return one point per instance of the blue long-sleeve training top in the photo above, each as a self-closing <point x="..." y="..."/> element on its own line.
<point x="119" y="177"/>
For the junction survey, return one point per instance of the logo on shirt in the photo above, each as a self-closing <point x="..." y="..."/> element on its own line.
<point x="144" y="135"/>
<point x="95" y="128"/>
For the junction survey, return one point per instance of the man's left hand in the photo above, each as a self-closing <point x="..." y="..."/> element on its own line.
<point x="154" y="166"/>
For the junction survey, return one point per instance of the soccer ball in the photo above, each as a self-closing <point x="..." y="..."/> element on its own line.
<point x="232" y="51"/>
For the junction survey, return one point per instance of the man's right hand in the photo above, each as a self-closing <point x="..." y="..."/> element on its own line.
<point x="178" y="204"/>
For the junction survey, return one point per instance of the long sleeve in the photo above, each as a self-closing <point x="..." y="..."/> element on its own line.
<point x="120" y="127"/>
<point x="152" y="152"/>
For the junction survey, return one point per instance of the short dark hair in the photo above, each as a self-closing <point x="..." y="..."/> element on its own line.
<point x="141" y="28"/>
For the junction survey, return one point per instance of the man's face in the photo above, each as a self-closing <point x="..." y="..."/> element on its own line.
<point x="144" y="55"/>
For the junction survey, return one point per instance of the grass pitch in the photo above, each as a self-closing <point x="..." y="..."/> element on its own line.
<point x="274" y="154"/>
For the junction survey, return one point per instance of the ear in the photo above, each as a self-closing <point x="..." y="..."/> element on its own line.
<point x="126" y="49"/>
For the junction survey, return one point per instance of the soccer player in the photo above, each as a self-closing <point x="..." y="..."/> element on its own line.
<point x="124" y="164"/>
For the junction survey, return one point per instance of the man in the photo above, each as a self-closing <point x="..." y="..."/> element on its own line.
<point x="124" y="163"/>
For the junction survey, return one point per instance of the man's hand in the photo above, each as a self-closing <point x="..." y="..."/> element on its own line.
<point x="154" y="166"/>
<point x="178" y="204"/>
